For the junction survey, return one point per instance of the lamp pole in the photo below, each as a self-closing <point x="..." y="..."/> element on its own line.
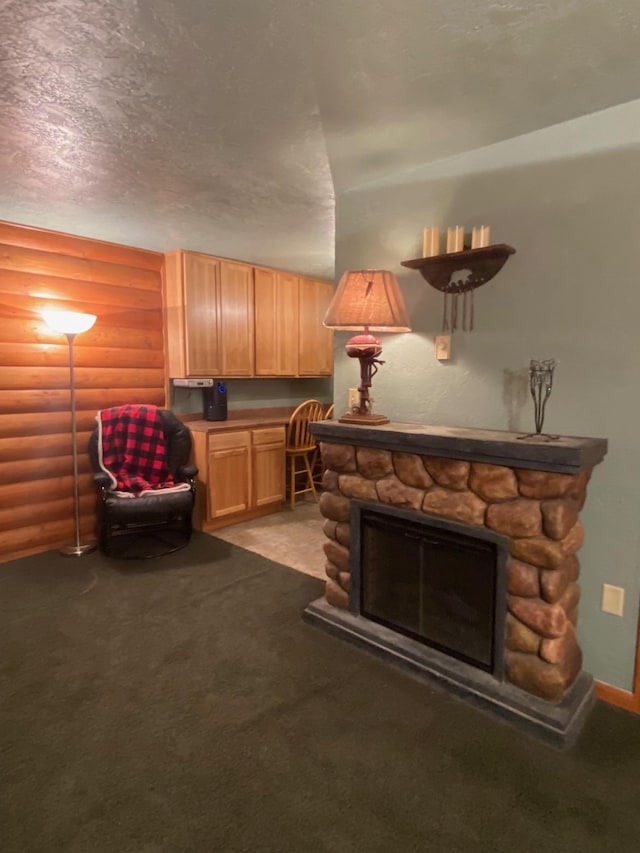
<point x="70" y="324"/>
<point x="77" y="549"/>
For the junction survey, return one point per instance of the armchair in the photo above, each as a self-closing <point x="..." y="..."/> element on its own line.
<point x="146" y="486"/>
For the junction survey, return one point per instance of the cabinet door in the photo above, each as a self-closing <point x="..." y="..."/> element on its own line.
<point x="268" y="465"/>
<point x="276" y="323"/>
<point x="229" y="474"/>
<point x="316" y="341"/>
<point x="190" y="303"/>
<point x="236" y="319"/>
<point x="200" y="275"/>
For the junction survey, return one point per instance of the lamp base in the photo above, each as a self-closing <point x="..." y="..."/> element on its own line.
<point x="78" y="550"/>
<point x="367" y="419"/>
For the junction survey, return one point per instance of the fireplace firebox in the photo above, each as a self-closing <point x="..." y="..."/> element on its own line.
<point x="432" y="581"/>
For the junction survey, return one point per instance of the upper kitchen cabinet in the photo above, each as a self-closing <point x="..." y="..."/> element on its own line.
<point x="209" y="316"/>
<point x="290" y="337"/>
<point x="236" y="319"/>
<point x="276" y="316"/>
<point x="230" y="319"/>
<point x="315" y="349"/>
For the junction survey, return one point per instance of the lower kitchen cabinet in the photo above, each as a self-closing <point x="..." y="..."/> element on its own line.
<point x="241" y="475"/>
<point x="267" y="466"/>
<point x="228" y="474"/>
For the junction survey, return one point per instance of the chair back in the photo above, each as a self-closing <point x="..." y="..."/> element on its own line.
<point x="298" y="435"/>
<point x="177" y="438"/>
<point x="328" y="415"/>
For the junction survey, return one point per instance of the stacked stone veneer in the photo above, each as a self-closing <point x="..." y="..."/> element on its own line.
<point x="536" y="510"/>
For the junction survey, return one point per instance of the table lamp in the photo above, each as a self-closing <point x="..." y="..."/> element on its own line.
<point x="367" y="301"/>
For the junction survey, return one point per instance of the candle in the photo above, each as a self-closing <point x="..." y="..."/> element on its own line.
<point x="480" y="236"/>
<point x="455" y="239"/>
<point x="430" y="242"/>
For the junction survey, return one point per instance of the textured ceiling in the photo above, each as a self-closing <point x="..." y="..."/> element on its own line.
<point x="227" y="125"/>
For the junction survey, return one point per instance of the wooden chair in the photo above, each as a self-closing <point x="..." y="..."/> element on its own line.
<point x="301" y="449"/>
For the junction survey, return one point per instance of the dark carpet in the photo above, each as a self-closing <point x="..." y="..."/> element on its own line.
<point x="182" y="704"/>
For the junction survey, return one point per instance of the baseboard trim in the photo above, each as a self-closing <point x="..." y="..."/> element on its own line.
<point x="618" y="697"/>
<point x="237" y="517"/>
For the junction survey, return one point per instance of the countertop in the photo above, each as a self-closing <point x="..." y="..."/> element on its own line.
<point x="242" y="419"/>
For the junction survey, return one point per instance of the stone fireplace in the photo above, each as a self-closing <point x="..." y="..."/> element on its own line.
<point x="453" y="553"/>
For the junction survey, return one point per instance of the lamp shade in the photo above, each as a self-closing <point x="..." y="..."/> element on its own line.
<point x="368" y="299"/>
<point x="68" y="322"/>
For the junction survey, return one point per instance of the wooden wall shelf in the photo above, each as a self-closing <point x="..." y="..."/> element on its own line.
<point x="459" y="272"/>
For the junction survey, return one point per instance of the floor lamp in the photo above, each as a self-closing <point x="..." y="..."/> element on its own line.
<point x="70" y="323"/>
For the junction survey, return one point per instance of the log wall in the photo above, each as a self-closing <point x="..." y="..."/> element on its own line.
<point x="120" y="360"/>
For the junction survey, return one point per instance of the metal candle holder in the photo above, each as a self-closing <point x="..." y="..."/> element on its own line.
<point x="541" y="385"/>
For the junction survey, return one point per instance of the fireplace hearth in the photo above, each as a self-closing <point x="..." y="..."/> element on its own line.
<point x="453" y="554"/>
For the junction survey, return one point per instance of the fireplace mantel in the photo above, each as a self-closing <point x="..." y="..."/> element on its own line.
<point x="566" y="455"/>
<point x="530" y="492"/>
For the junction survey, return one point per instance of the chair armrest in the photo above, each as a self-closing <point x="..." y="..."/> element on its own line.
<point x="102" y="480"/>
<point x="187" y="471"/>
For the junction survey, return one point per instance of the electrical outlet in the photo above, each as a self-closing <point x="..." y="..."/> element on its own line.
<point x="612" y="599"/>
<point x="354" y="399"/>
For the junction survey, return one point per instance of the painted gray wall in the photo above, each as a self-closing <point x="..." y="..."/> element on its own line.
<point x="567" y="199"/>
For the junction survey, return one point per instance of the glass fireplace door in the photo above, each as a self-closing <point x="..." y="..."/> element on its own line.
<point x="432" y="584"/>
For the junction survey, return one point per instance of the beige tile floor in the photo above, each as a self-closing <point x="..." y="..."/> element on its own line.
<point x="292" y="537"/>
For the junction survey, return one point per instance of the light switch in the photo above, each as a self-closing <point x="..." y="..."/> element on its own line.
<point x="443" y="347"/>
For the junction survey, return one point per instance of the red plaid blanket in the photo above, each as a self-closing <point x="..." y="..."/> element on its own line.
<point x="131" y="448"/>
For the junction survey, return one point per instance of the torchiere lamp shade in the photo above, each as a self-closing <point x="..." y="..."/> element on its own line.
<point x="68" y="322"/>
<point x="367" y="301"/>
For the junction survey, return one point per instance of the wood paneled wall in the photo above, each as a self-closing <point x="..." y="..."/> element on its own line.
<point x="120" y="360"/>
